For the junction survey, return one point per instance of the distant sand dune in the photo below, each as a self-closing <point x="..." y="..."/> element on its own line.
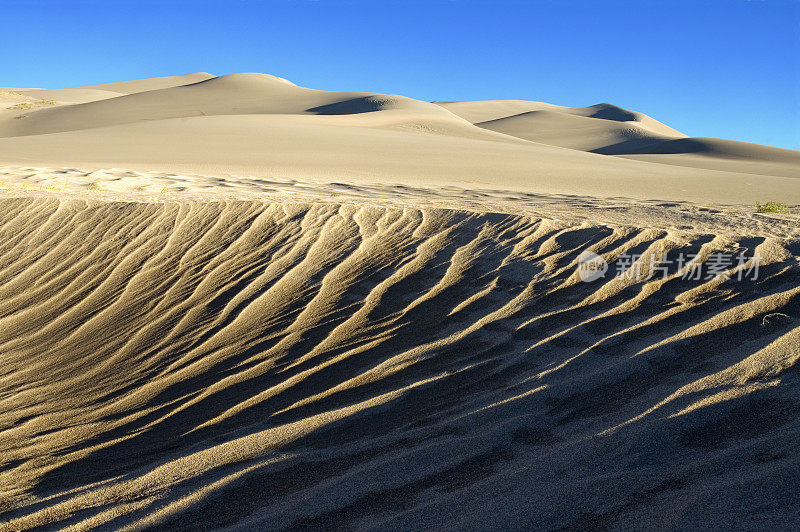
<point x="610" y="130"/>
<point x="236" y="94"/>
<point x="263" y="125"/>
<point x="150" y="84"/>
<point x="574" y="131"/>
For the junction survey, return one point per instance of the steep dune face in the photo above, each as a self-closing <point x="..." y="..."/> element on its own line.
<point x="606" y="111"/>
<point x="192" y="365"/>
<point x="609" y="114"/>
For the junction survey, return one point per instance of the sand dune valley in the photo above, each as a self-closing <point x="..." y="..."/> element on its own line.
<point x="237" y="303"/>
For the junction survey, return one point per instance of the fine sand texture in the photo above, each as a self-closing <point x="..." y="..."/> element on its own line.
<point x="236" y="303"/>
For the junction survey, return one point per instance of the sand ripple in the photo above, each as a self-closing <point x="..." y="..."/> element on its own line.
<point x="208" y="364"/>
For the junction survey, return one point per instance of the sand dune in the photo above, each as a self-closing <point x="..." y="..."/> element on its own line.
<point x="233" y="302"/>
<point x="150" y="84"/>
<point x="92" y="93"/>
<point x="236" y="94"/>
<point x="193" y="364"/>
<point x="68" y="96"/>
<point x="495" y="110"/>
<point x="339" y="149"/>
<point x="265" y="126"/>
<point x="610" y="130"/>
<point x="574" y="131"/>
<point x="719" y="154"/>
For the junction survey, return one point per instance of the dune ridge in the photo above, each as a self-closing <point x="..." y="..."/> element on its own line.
<point x="234" y="94"/>
<point x="165" y="364"/>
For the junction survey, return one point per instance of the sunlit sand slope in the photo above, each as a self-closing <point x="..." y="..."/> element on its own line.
<point x="199" y="365"/>
<point x="610" y="130"/>
<point x="265" y="126"/>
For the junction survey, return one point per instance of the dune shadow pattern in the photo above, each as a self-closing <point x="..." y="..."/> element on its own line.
<point x="294" y="366"/>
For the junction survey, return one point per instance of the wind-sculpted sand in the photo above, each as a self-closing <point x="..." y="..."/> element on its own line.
<point x="262" y="350"/>
<point x="203" y="364"/>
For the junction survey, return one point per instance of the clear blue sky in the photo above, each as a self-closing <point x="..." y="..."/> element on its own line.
<point x="727" y="68"/>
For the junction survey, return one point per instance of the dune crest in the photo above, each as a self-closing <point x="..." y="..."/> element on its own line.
<point x="149" y="84"/>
